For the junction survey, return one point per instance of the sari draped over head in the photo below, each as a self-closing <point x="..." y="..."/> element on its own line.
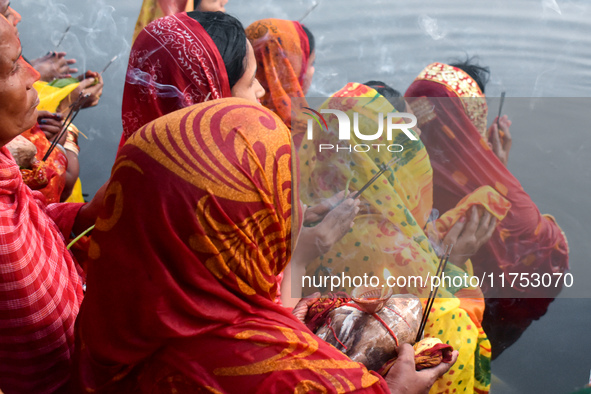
<point x="173" y="64"/>
<point x="50" y="176"/>
<point x="180" y="291"/>
<point x="462" y="160"/>
<point x="388" y="232"/>
<point x="154" y="9"/>
<point x="282" y="51"/>
<point x="40" y="287"/>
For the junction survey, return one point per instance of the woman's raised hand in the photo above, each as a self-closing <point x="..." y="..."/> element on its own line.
<point x="88" y="92"/>
<point x="336" y="224"/>
<point x="317" y="240"/>
<point x="54" y="65"/>
<point x="501" y="144"/>
<point x="468" y="235"/>
<point x="317" y="212"/>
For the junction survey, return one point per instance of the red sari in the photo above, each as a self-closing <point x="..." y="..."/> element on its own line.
<point x="452" y="116"/>
<point x="173" y="64"/>
<point x="195" y="228"/>
<point x="40" y="287"/>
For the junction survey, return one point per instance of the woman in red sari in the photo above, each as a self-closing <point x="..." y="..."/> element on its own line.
<point x="185" y="59"/>
<point x="451" y="110"/>
<point x="184" y="301"/>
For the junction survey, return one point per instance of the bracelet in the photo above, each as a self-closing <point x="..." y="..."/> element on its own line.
<point x="71" y="143"/>
<point x="72" y="147"/>
<point x="72" y="135"/>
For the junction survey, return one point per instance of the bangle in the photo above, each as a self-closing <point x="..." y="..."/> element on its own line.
<point x="72" y="147"/>
<point x="72" y="134"/>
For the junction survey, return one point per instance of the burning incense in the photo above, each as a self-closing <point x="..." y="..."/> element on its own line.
<point x="63" y="36"/>
<point x="108" y="64"/>
<point x="316" y="4"/>
<point x="383" y="168"/>
<point x="433" y="294"/>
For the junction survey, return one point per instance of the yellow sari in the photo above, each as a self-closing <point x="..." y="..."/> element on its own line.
<point x="154" y="9"/>
<point x="388" y="233"/>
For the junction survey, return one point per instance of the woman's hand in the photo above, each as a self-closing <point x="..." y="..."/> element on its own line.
<point x="89" y="92"/>
<point x="317" y="212"/>
<point x="335" y="224"/>
<point x="54" y="65"/>
<point x="315" y="241"/>
<point x="469" y="235"/>
<point x="403" y="378"/>
<point x="93" y="84"/>
<point x="301" y="309"/>
<point x="51" y="124"/>
<point x="501" y="144"/>
<point x="89" y="212"/>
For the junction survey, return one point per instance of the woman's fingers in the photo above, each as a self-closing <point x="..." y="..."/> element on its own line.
<point x="454" y="233"/>
<point x="473" y="221"/>
<point x="436" y="372"/>
<point x="495" y="139"/>
<point x="491" y="229"/>
<point x="49" y="123"/>
<point x="483" y="225"/>
<point x="507" y="140"/>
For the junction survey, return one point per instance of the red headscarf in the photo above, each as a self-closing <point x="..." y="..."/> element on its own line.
<point x="195" y="228"/>
<point x="282" y="51"/>
<point x="452" y="115"/>
<point x="40" y="287"/>
<point x="173" y="64"/>
<point x="448" y="105"/>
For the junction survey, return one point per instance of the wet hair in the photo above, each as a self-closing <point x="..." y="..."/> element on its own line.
<point x="389" y="93"/>
<point x="311" y="42"/>
<point x="479" y="74"/>
<point x="229" y="37"/>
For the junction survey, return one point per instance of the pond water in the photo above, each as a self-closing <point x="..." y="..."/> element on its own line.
<point x="535" y="49"/>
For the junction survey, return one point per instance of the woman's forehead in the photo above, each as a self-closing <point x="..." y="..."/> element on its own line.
<point x="9" y="42"/>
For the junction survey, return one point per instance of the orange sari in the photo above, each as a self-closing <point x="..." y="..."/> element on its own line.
<point x="282" y="50"/>
<point x="181" y="299"/>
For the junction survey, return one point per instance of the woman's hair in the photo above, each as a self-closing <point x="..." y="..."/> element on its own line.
<point x="391" y="94"/>
<point x="479" y="74"/>
<point x="229" y="37"/>
<point x="311" y="42"/>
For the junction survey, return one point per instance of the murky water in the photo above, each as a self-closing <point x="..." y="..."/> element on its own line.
<point x="536" y="48"/>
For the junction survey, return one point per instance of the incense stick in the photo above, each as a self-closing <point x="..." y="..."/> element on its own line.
<point x="58" y="137"/>
<point x="309" y="11"/>
<point x="500" y="108"/>
<point x="423" y="318"/>
<point x="384" y="168"/>
<point x="108" y="64"/>
<point x="431" y="299"/>
<point x="75" y="108"/>
<point x="433" y="294"/>
<point x="63" y="36"/>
